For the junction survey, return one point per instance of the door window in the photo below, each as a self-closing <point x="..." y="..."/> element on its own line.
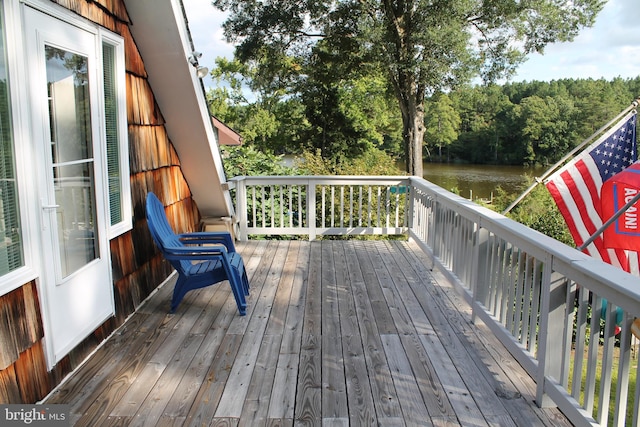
<point x="72" y="158"/>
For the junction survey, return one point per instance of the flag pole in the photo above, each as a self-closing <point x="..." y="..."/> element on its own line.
<point x="549" y="171"/>
<point x="610" y="221"/>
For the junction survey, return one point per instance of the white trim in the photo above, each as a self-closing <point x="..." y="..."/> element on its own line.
<point x="56" y="300"/>
<point x="117" y="42"/>
<point x="62" y="14"/>
<point x="23" y="153"/>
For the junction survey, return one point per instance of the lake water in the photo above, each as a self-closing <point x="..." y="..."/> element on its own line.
<point x="480" y="181"/>
<point x="474" y="181"/>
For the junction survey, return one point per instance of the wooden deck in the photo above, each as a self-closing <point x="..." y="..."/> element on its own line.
<point x="337" y="333"/>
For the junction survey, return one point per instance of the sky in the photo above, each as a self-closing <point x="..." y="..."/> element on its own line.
<point x="609" y="49"/>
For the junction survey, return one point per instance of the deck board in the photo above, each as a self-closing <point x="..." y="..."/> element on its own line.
<point x="337" y="333"/>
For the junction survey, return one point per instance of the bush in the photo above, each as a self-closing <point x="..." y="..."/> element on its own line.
<point x="372" y="162"/>
<point x="537" y="210"/>
<point x="245" y="160"/>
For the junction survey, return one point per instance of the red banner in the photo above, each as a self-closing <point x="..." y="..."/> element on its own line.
<point x="617" y="191"/>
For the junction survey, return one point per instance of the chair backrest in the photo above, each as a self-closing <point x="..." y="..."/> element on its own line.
<point x="162" y="232"/>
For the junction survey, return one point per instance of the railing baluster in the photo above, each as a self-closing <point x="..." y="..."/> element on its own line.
<point x="342" y="206"/>
<point x="359" y="206"/>
<point x="387" y="204"/>
<point x="254" y="207"/>
<point x="592" y="353"/>
<point x="281" y="206"/>
<point x="378" y="221"/>
<point x="604" y="397"/>
<point x="581" y="335"/>
<point x="300" y="222"/>
<point x="272" y="199"/>
<point x="369" y="206"/>
<point x="290" y="206"/>
<point x="351" y="206"/>
<point x="333" y="199"/>
<point x="263" y="204"/>
<point x="526" y="307"/>
<point x="535" y="304"/>
<point x="624" y="370"/>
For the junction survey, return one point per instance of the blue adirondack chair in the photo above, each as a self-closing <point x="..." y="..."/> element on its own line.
<point x="197" y="265"/>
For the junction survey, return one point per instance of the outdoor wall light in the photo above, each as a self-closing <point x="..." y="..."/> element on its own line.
<point x="193" y="60"/>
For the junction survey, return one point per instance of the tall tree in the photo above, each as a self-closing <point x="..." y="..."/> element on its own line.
<point x="442" y="123"/>
<point x="424" y="45"/>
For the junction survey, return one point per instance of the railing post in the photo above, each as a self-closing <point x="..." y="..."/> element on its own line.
<point x="479" y="269"/>
<point x="552" y="327"/>
<point x="241" y="209"/>
<point x="410" y="212"/>
<point x="311" y="208"/>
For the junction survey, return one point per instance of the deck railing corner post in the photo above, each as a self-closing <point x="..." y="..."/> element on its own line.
<point x="411" y="213"/>
<point x="241" y="209"/>
<point x="311" y="208"/>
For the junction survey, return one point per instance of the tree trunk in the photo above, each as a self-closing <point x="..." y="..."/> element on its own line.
<point x="413" y="123"/>
<point x="410" y="96"/>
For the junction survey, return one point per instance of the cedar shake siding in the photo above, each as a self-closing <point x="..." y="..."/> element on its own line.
<point x="137" y="266"/>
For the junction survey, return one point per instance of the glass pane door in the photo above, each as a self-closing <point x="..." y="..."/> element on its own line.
<point x="71" y="158"/>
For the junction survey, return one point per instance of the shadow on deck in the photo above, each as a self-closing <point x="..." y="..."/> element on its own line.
<point x="336" y="333"/>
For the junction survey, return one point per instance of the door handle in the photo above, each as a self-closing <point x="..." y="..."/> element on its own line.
<point x="45" y="213"/>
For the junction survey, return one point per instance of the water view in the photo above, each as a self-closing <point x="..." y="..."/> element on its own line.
<point x="473" y="181"/>
<point x="480" y="181"/>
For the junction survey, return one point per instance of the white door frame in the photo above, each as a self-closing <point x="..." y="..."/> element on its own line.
<point x="75" y="303"/>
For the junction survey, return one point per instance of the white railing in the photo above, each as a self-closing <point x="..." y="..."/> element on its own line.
<point x="319" y="205"/>
<point x="552" y="306"/>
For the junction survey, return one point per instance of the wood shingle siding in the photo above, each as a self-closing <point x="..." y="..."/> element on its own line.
<point x="133" y="61"/>
<point x="137" y="267"/>
<point x="23" y="371"/>
<point x="141" y="106"/>
<point x="105" y="13"/>
<point x="20" y="323"/>
<point x="150" y="148"/>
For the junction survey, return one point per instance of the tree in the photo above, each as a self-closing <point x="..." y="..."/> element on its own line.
<point x="256" y="109"/>
<point x="424" y="46"/>
<point x="349" y="112"/>
<point x="442" y="123"/>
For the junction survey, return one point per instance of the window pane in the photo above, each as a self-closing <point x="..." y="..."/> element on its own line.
<point x="71" y="145"/>
<point x="11" y="251"/>
<point x="111" y="126"/>
<point x="70" y="118"/>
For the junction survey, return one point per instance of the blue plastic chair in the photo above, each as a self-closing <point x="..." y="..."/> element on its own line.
<point x="198" y="266"/>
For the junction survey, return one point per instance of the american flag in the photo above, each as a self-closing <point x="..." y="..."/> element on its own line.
<point x="576" y="187"/>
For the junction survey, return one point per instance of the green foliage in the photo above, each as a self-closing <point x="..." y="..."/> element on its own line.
<point x="442" y="122"/>
<point x="247" y="161"/>
<point x="372" y="162"/>
<point x="537" y="211"/>
<point x="533" y="123"/>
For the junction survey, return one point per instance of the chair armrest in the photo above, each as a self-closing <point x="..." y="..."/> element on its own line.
<point x="207" y="237"/>
<point x="195" y="253"/>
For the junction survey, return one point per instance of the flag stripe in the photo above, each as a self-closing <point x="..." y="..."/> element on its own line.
<point x="571" y="204"/>
<point x="574" y="190"/>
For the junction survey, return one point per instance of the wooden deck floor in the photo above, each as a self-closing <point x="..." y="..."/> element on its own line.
<point x="336" y="333"/>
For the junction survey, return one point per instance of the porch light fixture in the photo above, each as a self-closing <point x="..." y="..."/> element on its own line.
<point x="193" y="60"/>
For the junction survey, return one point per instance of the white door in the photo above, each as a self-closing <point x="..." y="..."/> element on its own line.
<point x="76" y="274"/>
